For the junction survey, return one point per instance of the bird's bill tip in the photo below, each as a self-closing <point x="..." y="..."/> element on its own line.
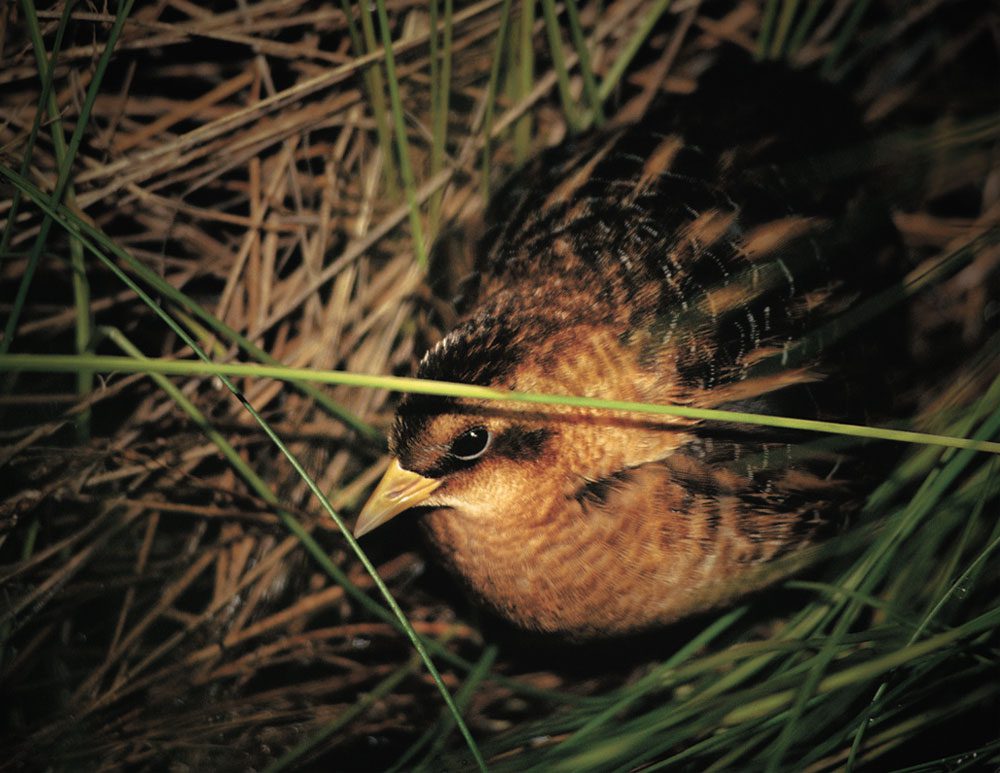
<point x="399" y="490"/>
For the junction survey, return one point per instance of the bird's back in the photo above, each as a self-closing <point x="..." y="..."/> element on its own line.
<point x="722" y="237"/>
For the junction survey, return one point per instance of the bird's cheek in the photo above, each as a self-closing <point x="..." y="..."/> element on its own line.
<point x="446" y="498"/>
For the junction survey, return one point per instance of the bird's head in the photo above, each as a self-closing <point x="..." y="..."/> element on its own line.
<point x="471" y="461"/>
<point x="489" y="462"/>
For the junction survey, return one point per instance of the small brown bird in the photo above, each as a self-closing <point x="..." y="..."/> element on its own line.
<point x="690" y="259"/>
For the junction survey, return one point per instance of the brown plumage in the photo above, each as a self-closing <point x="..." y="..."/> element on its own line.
<point x="692" y="259"/>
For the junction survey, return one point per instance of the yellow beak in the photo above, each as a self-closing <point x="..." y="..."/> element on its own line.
<point x="398" y="490"/>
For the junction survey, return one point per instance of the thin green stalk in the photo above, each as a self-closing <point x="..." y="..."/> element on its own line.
<point x="47" y="77"/>
<point x="462" y="698"/>
<point x="397" y="611"/>
<point x="66" y="157"/>
<point x="922" y="626"/>
<point x="580" y="44"/>
<point x="231" y="455"/>
<point x="788" y="9"/>
<point x="491" y="95"/>
<point x="871" y="669"/>
<point x="559" y="62"/>
<point x="59" y="145"/>
<point x="7" y="385"/>
<point x="440" y="99"/>
<point x="652" y="681"/>
<point x="617" y="70"/>
<point x="804" y="26"/>
<point x="872" y="568"/>
<point x="807" y="692"/>
<point x="402" y="144"/>
<point x="293" y="525"/>
<point x="844" y="36"/>
<point x="368" y="699"/>
<point x="766" y="29"/>
<point x="69" y="363"/>
<point x="375" y="86"/>
<point x="524" y="78"/>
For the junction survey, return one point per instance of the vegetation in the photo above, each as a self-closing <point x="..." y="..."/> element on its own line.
<point x="192" y="195"/>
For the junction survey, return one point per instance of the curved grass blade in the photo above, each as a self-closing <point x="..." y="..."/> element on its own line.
<point x="293" y="525"/>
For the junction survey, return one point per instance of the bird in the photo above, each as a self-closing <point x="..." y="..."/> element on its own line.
<point x="705" y="256"/>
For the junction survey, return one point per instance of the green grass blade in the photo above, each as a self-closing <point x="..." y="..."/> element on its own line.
<point x="46" y="75"/>
<point x="69" y="363"/>
<point x="617" y="70"/>
<point x="524" y="78"/>
<point x="375" y="86"/>
<point x="402" y="144"/>
<point x="491" y="94"/>
<point x="368" y="699"/>
<point x="440" y="99"/>
<point x="296" y="528"/>
<point x="558" y="55"/>
<point x="931" y="614"/>
<point x="766" y="29"/>
<point x="462" y="698"/>
<point x="805" y="24"/>
<point x="844" y="36"/>
<point x="788" y="10"/>
<point x="583" y="734"/>
<point x="583" y="56"/>
<point x="66" y="158"/>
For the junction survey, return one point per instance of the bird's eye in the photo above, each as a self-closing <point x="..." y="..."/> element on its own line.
<point x="471" y="444"/>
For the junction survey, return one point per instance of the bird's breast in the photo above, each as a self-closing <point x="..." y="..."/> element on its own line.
<point x="644" y="546"/>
